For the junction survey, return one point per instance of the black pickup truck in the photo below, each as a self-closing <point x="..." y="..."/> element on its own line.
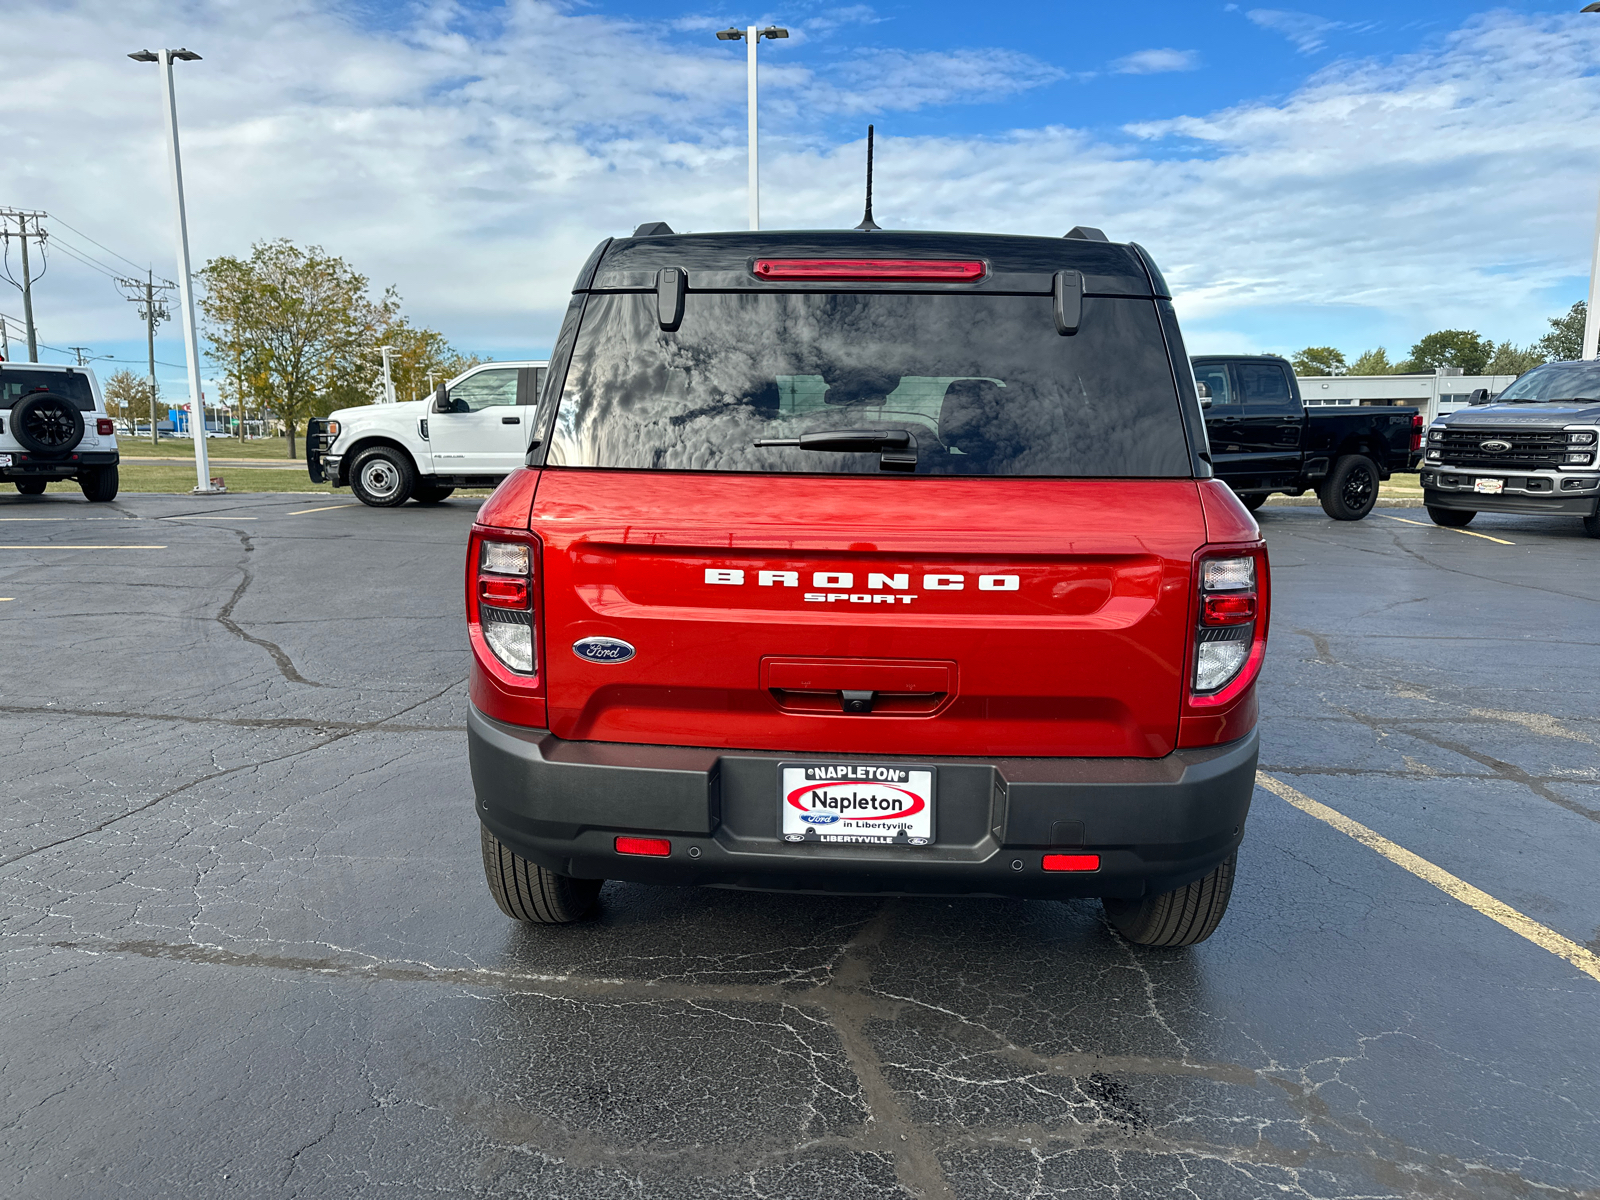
<point x="1263" y="439"/>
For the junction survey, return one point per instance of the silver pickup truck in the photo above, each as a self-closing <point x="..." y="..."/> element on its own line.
<point x="1531" y="450"/>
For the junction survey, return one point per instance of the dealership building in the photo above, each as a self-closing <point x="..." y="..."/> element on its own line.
<point x="1434" y="393"/>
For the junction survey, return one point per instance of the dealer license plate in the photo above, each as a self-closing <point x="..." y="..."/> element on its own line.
<point x="861" y="803"/>
<point x="5" y="460"/>
<point x="1489" y="487"/>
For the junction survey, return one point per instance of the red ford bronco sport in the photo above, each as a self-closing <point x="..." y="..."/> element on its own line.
<point x="872" y="563"/>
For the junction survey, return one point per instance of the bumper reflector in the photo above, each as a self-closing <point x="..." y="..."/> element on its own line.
<point x="650" y="847"/>
<point x="1071" y="862"/>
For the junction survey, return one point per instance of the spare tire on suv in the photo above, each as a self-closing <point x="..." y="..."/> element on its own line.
<point x="47" y="424"/>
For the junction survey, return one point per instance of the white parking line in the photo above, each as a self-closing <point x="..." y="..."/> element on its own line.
<point x="1543" y="936"/>
<point x="76" y="547"/>
<point x="1450" y="529"/>
<point x="302" y="512"/>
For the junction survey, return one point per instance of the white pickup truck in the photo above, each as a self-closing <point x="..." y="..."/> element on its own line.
<point x="472" y="432"/>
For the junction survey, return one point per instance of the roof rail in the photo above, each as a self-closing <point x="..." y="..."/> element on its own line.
<point x="653" y="228"/>
<point x="1087" y="233"/>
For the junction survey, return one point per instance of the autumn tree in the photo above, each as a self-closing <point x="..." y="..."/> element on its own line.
<point x="127" y="398"/>
<point x="296" y="325"/>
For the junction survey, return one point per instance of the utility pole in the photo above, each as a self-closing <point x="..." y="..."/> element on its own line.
<point x="750" y="36"/>
<point x="23" y="235"/>
<point x="5" y="341"/>
<point x="80" y="351"/>
<point x="151" y="297"/>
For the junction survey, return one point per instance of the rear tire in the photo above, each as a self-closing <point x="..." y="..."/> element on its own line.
<point x="1254" y="500"/>
<point x="99" y="484"/>
<point x="383" y="478"/>
<point x="1184" y="917"/>
<point x="525" y="891"/>
<point x="1351" y="488"/>
<point x="428" y="493"/>
<point x="32" y="487"/>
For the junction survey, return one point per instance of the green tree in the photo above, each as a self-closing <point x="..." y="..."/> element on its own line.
<point x="1462" y="348"/>
<point x="1319" y="360"/>
<point x="127" y="398"/>
<point x="1564" y="342"/>
<point x="422" y="355"/>
<point x="1373" y="362"/>
<point x="296" y="325"/>
<point x="1508" y="359"/>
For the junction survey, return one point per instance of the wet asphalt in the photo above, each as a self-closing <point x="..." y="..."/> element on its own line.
<point x="246" y="948"/>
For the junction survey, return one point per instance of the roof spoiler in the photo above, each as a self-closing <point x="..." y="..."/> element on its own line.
<point x="1087" y="233"/>
<point x="656" y="228"/>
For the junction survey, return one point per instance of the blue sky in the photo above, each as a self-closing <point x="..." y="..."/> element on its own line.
<point x="1355" y="174"/>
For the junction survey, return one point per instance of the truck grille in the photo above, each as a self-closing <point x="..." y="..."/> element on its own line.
<point x="1530" y="448"/>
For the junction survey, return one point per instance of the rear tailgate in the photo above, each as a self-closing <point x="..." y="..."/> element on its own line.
<point x="987" y="616"/>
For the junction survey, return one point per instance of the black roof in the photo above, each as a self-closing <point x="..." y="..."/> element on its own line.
<point x="722" y="261"/>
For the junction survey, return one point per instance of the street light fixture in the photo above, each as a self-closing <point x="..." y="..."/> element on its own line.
<point x="197" y="407"/>
<point x="750" y="36"/>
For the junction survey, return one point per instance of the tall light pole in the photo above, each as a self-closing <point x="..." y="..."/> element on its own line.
<point x="197" y="408"/>
<point x="750" y="36"/>
<point x="388" y="378"/>
<point x="1591" y="320"/>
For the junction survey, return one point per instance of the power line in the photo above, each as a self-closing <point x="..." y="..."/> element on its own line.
<point x="107" y="249"/>
<point x="91" y="263"/>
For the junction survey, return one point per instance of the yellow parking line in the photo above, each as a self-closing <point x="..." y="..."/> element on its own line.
<point x="211" y="517"/>
<point x="302" y="512"/>
<point x="75" y="547"/>
<point x="1451" y="529"/>
<point x="1585" y="960"/>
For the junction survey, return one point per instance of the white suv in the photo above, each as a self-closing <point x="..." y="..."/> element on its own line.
<point x="472" y="432"/>
<point x="54" y="425"/>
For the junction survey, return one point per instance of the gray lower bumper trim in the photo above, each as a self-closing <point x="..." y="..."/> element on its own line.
<point x="1156" y="822"/>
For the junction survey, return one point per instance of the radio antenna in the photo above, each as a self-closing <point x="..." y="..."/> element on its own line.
<point x="867" y="223"/>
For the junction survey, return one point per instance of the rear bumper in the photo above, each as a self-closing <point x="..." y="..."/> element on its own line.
<point x="31" y="466"/>
<point x="1156" y="823"/>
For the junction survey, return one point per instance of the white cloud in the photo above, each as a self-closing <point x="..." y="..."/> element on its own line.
<point x="475" y="166"/>
<point x="1156" y="62"/>
<point x="1308" y="32"/>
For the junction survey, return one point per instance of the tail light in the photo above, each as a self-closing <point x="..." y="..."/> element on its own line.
<point x="1416" y="431"/>
<point x="104" y="427"/>
<point x="1227" y="650"/>
<point x="502" y="595"/>
<point x="884" y="270"/>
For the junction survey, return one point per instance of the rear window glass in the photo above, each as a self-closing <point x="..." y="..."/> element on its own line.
<point x="983" y="384"/>
<point x="17" y="382"/>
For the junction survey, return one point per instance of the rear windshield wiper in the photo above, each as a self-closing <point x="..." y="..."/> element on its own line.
<point x="897" y="448"/>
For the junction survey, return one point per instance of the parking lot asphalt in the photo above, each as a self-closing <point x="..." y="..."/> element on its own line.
<point x="246" y="947"/>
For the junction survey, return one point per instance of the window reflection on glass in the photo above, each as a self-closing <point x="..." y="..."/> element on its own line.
<point x="486" y="389"/>
<point x="1264" y="387"/>
<point x="984" y="385"/>
<point x="1216" y="378"/>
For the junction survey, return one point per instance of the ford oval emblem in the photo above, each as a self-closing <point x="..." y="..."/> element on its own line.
<point x="819" y="818"/>
<point x="1494" y="446"/>
<point x="602" y="649"/>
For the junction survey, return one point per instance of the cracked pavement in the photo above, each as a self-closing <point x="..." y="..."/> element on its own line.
<point x="246" y="947"/>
